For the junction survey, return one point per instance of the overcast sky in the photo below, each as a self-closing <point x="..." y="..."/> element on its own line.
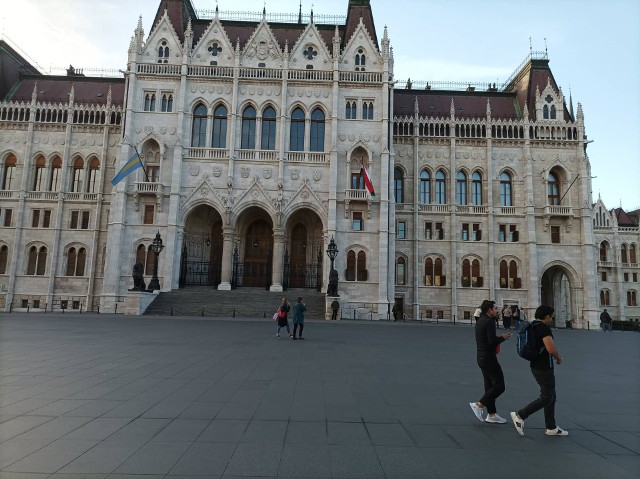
<point x="593" y="47"/>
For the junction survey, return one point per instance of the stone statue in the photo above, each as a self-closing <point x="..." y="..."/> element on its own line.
<point x="138" y="279"/>
<point x="332" y="290"/>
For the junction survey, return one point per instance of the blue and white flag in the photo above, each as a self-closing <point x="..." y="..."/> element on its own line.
<point x="130" y="166"/>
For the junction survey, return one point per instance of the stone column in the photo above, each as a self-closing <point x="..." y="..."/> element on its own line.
<point x="227" y="259"/>
<point x="276" y="261"/>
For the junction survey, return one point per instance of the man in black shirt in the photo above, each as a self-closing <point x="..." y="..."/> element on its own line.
<point x="542" y="370"/>
<point x="606" y="321"/>
<point x="488" y="345"/>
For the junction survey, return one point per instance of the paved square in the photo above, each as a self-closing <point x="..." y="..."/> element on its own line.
<point x="99" y="396"/>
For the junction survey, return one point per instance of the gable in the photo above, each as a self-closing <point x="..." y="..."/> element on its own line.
<point x="214" y="47"/>
<point x="361" y="53"/>
<point x="262" y="49"/>
<point x="310" y="52"/>
<point x="162" y="45"/>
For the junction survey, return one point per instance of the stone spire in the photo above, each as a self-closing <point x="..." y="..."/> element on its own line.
<point x="571" y="104"/>
<point x="109" y="97"/>
<point x="452" y="110"/>
<point x="488" y="110"/>
<point x="416" y="109"/>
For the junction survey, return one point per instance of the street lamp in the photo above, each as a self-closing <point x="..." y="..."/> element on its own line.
<point x="332" y="252"/>
<point x="156" y="247"/>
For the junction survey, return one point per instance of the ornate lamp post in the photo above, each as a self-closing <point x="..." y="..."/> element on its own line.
<point x="156" y="247"/>
<point x="332" y="252"/>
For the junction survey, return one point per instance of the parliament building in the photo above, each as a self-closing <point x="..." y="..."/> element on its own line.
<point x="256" y="133"/>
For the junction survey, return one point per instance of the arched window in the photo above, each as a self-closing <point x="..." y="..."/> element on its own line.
<point x="9" y="173"/>
<point x="476" y="279"/>
<point x="39" y="177"/>
<point x="476" y="188"/>
<point x="350" y="111"/>
<point x="219" y="132"/>
<point x="553" y="189"/>
<point x="504" y="274"/>
<point x="78" y="165"/>
<point x="604" y="251"/>
<point x="632" y="254"/>
<point x="248" y="141"/>
<point x="428" y="272"/>
<point x="199" y="128"/>
<point x="461" y="188"/>
<point x="351" y="266"/>
<point x="425" y="187"/>
<point x="439" y="278"/>
<point x="623" y="253"/>
<point x="632" y="299"/>
<point x="268" y="140"/>
<point x="360" y="60"/>
<point x="466" y="273"/>
<point x="56" y="168"/>
<point x="514" y="281"/>
<point x="316" y="142"/>
<point x="362" y="266"/>
<point x="398" y="185"/>
<point x="163" y="52"/>
<point x="604" y="297"/>
<point x="149" y="101"/>
<point x="553" y="112"/>
<point x="545" y="112"/>
<point x="367" y="110"/>
<point x="401" y="271"/>
<point x="37" y="261"/>
<point x="167" y="102"/>
<point x="296" y="139"/>
<point x="94" y="168"/>
<point x="441" y="188"/>
<point x="505" y="189"/>
<point x="76" y="261"/>
<point x="4" y="258"/>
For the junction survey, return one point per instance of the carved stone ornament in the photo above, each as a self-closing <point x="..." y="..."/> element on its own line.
<point x="295" y="174"/>
<point x="195" y="170"/>
<point x="204" y="191"/>
<point x="317" y="175"/>
<point x="305" y="194"/>
<point x="245" y="171"/>
<point x="217" y="171"/>
<point x="266" y="173"/>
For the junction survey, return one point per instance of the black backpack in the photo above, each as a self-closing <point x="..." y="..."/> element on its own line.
<point x="526" y="343"/>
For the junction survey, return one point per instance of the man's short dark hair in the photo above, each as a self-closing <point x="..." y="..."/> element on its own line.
<point x="486" y="306"/>
<point x="543" y="311"/>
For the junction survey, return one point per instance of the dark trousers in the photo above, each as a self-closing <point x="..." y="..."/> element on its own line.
<point x="334" y="314"/>
<point x="547" y="400"/>
<point x="493" y="382"/>
<point x="295" y="328"/>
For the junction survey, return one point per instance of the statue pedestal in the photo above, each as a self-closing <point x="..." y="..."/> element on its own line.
<point x="137" y="302"/>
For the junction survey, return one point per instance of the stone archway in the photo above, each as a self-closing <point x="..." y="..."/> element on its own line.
<point x="201" y="255"/>
<point x="303" y="250"/>
<point x="556" y="291"/>
<point x="254" y="253"/>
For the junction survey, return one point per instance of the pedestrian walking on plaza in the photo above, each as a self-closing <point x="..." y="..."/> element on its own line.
<point x="487" y="344"/>
<point x="542" y="370"/>
<point x="506" y="317"/>
<point x="606" y="322"/>
<point x="298" y="317"/>
<point x="335" y="306"/>
<point x="515" y="316"/>
<point x="283" y="320"/>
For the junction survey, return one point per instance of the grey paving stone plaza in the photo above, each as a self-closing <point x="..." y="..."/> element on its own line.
<point x="99" y="396"/>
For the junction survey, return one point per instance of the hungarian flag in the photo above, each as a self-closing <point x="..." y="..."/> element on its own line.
<point x="367" y="179"/>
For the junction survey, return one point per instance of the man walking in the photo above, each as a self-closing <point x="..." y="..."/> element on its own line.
<point x="605" y="321"/>
<point x="542" y="370"/>
<point x="487" y="344"/>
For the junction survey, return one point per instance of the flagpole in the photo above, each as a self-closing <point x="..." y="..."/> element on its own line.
<point x="141" y="164"/>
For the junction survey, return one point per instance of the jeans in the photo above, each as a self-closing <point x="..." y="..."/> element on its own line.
<point x="493" y="382"/>
<point x="547" y="400"/>
<point x="606" y="327"/>
<point x="286" y="326"/>
<point x="295" y="328"/>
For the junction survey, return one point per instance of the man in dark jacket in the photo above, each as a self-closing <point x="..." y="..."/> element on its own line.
<point x="487" y="348"/>
<point x="605" y="321"/>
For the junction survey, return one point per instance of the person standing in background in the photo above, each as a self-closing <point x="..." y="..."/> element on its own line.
<point x="298" y="317"/>
<point x="506" y="317"/>
<point x="605" y="321"/>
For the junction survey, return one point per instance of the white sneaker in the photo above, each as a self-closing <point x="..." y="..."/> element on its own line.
<point x="556" y="432"/>
<point x="518" y="423"/>
<point x="479" y="412"/>
<point x="495" y="419"/>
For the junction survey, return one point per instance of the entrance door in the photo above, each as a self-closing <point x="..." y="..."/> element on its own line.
<point x="298" y="260"/>
<point x="256" y="269"/>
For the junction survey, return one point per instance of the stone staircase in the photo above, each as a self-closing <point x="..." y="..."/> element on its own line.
<point x="256" y="303"/>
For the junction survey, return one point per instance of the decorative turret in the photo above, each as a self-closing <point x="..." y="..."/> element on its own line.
<point x="488" y="110"/>
<point x="72" y="95"/>
<point x="452" y="110"/>
<point x="385" y="44"/>
<point x="571" y="104"/>
<point x="109" y="98"/>
<point x="416" y="109"/>
<point x="580" y="114"/>
<point x="34" y="94"/>
<point x="336" y="43"/>
<point x="188" y="39"/>
<point x="526" y="112"/>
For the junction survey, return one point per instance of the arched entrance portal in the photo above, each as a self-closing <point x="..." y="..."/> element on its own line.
<point x="201" y="257"/>
<point x="303" y="251"/>
<point x="556" y="292"/>
<point x="253" y="256"/>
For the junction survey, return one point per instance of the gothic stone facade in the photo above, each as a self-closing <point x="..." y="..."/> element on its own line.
<point x="254" y="135"/>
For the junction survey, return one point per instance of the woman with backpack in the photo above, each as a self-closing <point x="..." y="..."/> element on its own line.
<point x="283" y="320"/>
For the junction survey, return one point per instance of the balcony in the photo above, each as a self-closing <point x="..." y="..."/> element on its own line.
<point x="357" y="195"/>
<point x="606" y="264"/>
<point x="423" y="208"/>
<point x="79" y="196"/>
<point x="472" y="209"/>
<point x="557" y="210"/>
<point x="8" y="194"/>
<point x="43" y="195"/>
<point x="148" y="187"/>
<point x="257" y="155"/>
<point x="207" y="153"/>
<point x="507" y="210"/>
<point x="307" y="156"/>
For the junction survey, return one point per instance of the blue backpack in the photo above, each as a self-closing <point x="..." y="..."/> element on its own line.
<point x="526" y="343"/>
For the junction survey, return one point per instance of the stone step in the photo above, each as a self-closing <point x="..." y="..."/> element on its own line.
<point x="205" y="301"/>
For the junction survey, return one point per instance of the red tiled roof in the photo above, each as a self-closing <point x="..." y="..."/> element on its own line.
<point x="359" y="9"/>
<point x="625" y="219"/>
<point x="437" y="103"/>
<point x="87" y="90"/>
